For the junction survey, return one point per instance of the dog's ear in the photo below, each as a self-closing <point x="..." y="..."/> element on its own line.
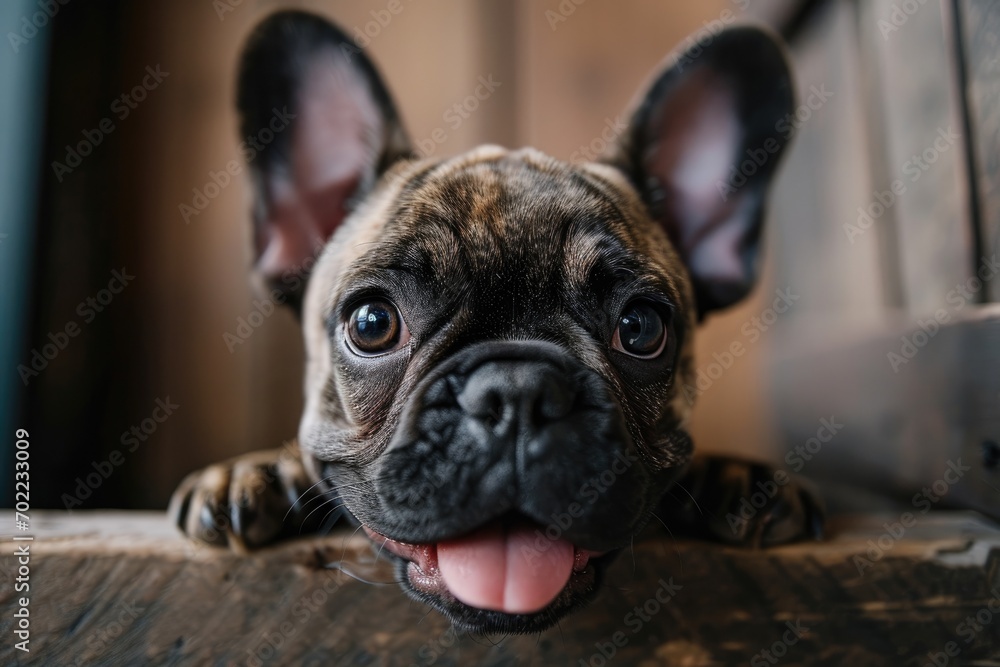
<point x="701" y="148"/>
<point x="319" y="128"/>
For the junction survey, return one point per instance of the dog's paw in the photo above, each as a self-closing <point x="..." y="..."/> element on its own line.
<point x="245" y="503"/>
<point x="744" y="503"/>
<point x="775" y="508"/>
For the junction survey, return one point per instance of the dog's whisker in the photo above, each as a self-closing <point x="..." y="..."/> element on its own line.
<point x="319" y="507"/>
<point x="631" y="548"/>
<point x="986" y="482"/>
<point x="488" y="639"/>
<point x="330" y="495"/>
<point x="696" y="505"/>
<point x="673" y="539"/>
<point x="380" y="549"/>
<point x="302" y="495"/>
<point x="302" y="506"/>
<point x="426" y="614"/>
<point x="346" y="538"/>
<point x="332" y="510"/>
<point x="326" y="526"/>
<point x="339" y="566"/>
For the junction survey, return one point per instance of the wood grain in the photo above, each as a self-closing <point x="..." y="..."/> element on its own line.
<point x="123" y="589"/>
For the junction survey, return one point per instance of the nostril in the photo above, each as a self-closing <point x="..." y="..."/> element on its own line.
<point x="491" y="420"/>
<point x="491" y="412"/>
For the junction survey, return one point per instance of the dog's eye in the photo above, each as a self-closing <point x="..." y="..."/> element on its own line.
<point x="374" y="327"/>
<point x="641" y="331"/>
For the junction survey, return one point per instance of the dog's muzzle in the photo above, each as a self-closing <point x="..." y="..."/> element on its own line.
<point x="512" y="427"/>
<point x="511" y="468"/>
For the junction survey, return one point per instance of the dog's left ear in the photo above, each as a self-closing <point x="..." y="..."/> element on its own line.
<point x="320" y="128"/>
<point x="701" y="148"/>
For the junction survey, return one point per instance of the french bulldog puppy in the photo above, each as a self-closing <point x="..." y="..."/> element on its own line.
<point x="498" y="342"/>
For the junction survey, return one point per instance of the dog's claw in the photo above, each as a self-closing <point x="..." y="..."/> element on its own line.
<point x="245" y="503"/>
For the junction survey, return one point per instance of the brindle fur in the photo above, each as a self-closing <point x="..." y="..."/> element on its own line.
<point x="492" y="245"/>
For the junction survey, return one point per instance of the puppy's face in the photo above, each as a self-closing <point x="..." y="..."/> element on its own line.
<point x="497" y="343"/>
<point x="494" y="348"/>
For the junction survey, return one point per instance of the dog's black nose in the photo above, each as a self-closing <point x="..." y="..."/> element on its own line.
<point x="517" y="397"/>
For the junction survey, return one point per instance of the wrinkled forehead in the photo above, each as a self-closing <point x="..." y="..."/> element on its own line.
<point x="518" y="224"/>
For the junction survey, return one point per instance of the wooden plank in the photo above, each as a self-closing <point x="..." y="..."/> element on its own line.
<point x="979" y="25"/>
<point x="122" y="588"/>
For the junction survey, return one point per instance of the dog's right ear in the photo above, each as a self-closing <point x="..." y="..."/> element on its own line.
<point x="319" y="128"/>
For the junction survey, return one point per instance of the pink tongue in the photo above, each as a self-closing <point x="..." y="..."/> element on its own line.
<point x="513" y="569"/>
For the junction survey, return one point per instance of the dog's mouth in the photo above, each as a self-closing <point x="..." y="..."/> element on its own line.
<point x="510" y="567"/>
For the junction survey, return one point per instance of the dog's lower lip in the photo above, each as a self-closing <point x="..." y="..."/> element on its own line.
<point x="422" y="561"/>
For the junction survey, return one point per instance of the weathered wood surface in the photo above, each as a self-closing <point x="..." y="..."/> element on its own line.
<point x="123" y="589"/>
